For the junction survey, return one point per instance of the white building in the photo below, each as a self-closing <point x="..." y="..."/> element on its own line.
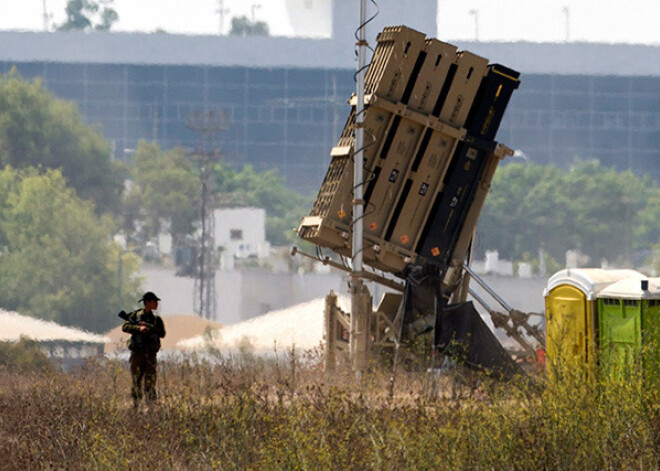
<point x="240" y="233"/>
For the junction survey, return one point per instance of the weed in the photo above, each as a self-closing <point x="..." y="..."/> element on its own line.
<point x="221" y="412"/>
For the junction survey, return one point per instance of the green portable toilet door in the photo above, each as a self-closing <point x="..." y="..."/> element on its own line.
<point x="620" y="335"/>
<point x="651" y="342"/>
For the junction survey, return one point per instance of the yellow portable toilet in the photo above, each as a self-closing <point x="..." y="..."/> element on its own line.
<point x="571" y="313"/>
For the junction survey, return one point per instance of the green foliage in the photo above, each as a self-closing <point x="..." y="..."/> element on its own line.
<point x="597" y="210"/>
<point x="23" y="356"/>
<point x="164" y="194"/>
<point x="56" y="260"/>
<point x="38" y="130"/>
<point x="515" y="214"/>
<point x="655" y="258"/>
<point x="242" y="26"/>
<point x="284" y="207"/>
<point x="648" y="226"/>
<point x="84" y="15"/>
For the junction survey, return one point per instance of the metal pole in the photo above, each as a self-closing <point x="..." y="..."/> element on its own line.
<point x="488" y="289"/>
<point x="45" y="16"/>
<point x="357" y="343"/>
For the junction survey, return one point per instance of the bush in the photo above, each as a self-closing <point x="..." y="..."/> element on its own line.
<point x="24" y="356"/>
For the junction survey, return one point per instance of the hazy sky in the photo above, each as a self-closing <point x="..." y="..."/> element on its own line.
<point x="175" y="16"/>
<point x="632" y="21"/>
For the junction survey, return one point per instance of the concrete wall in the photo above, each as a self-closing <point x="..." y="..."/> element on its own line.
<point x="243" y="294"/>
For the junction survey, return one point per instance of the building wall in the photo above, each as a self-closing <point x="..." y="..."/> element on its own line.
<point x="244" y="294"/>
<point x="555" y="118"/>
<point x="289" y="118"/>
<point x="241" y="294"/>
<point x="277" y="118"/>
<point x="241" y="231"/>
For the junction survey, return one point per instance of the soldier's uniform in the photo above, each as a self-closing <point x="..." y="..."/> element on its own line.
<point x="144" y="347"/>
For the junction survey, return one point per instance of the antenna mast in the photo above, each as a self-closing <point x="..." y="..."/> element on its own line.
<point x="207" y="123"/>
<point x="45" y="16"/>
<point x="222" y="11"/>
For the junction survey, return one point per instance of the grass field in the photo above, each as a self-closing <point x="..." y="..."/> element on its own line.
<point x="247" y="413"/>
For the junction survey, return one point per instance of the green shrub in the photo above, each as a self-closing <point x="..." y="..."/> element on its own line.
<point x="23" y="355"/>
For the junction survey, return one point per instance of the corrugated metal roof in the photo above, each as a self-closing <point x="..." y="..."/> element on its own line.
<point x="15" y="326"/>
<point x="273" y="52"/>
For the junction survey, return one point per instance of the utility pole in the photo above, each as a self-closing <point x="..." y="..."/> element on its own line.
<point x="254" y="16"/>
<point x="360" y="298"/>
<point x="222" y="11"/>
<point x="45" y="16"/>
<point x="475" y="13"/>
<point x="208" y="124"/>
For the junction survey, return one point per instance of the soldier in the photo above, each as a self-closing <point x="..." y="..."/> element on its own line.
<point x="146" y="329"/>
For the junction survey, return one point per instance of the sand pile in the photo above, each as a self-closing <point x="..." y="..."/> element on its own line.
<point x="177" y="328"/>
<point x="300" y="325"/>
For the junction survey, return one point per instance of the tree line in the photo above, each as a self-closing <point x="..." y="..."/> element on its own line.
<point x="603" y="213"/>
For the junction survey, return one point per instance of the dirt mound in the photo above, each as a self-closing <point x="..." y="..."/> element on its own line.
<point x="177" y="328"/>
<point x="300" y="326"/>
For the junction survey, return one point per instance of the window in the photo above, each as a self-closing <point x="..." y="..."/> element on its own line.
<point x="236" y="234"/>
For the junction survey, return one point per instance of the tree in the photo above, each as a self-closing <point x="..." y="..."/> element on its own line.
<point x="597" y="210"/>
<point x="109" y="16"/>
<point x="518" y="211"/>
<point x="284" y="207"/>
<point x="84" y="15"/>
<point x="164" y="194"/>
<point x="647" y="228"/>
<point x="242" y="26"/>
<point x="603" y="206"/>
<point x="39" y="130"/>
<point x="57" y="261"/>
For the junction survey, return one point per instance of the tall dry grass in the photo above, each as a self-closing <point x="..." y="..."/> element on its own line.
<point x="248" y="413"/>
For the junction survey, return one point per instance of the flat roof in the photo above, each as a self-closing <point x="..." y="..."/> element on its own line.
<point x="632" y="289"/>
<point x="281" y="52"/>
<point x="590" y="281"/>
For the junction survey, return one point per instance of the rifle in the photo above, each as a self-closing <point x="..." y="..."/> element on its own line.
<point x="133" y="320"/>
<point x="127" y="317"/>
<point x="138" y="339"/>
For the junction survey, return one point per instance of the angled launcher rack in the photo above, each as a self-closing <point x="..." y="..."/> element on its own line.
<point x="431" y="115"/>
